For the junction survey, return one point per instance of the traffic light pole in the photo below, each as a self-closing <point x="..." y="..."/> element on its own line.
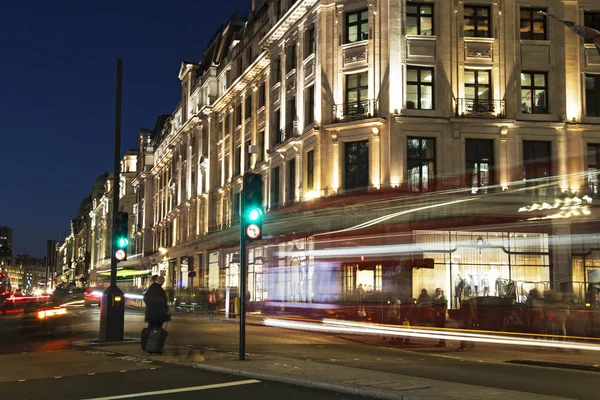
<point x="112" y="306"/>
<point x="242" y="349"/>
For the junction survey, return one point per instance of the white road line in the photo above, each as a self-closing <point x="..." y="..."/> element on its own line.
<point x="179" y="390"/>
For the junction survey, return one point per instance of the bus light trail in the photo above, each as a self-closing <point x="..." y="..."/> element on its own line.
<point x="356" y="328"/>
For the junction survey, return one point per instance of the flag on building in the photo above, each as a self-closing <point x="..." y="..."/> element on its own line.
<point x="585" y="31"/>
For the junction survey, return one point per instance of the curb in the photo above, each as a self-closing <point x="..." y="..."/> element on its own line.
<point x="304" y="382"/>
<point x="551" y="364"/>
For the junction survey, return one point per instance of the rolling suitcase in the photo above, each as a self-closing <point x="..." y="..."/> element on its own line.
<point x="156" y="341"/>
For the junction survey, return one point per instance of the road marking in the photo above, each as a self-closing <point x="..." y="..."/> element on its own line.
<point x="178" y="390"/>
<point x="22" y="380"/>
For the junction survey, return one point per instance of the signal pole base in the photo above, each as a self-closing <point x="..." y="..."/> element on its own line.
<point x="112" y="315"/>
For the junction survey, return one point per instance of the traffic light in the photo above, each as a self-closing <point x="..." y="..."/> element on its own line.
<point x="121" y="236"/>
<point x="252" y="206"/>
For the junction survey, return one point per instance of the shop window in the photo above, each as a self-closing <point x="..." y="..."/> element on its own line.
<point x="480" y="164"/>
<point x="534" y="93"/>
<point x="593" y="168"/>
<point x="421" y="163"/>
<point x="419" y="19"/>
<point x="357" y="26"/>
<point x="592" y="95"/>
<point x="477" y="21"/>
<point x="533" y="24"/>
<point x="356" y="165"/>
<point x="419" y="88"/>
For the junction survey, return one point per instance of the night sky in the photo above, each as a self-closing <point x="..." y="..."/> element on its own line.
<point x="57" y="95"/>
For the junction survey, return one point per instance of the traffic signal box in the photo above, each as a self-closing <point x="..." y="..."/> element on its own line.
<point x="252" y="206"/>
<point x="121" y="236"/>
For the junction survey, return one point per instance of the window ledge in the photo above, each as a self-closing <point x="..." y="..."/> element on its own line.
<point x="308" y="58"/>
<point x="479" y="39"/>
<point x="355" y="44"/>
<point x="422" y="37"/>
<point x="535" y="42"/>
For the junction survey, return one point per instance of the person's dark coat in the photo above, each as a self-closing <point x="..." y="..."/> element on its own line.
<point x="157" y="308"/>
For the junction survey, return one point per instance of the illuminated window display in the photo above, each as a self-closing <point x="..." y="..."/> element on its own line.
<point x="468" y="264"/>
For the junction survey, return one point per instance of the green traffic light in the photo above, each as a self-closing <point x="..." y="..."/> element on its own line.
<point x="122" y="242"/>
<point x="254" y="214"/>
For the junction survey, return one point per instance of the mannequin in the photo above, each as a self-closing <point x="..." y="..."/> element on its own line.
<point x="459" y="284"/>
<point x="492" y="276"/>
<point x="476" y="284"/>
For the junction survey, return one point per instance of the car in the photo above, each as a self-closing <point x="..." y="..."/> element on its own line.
<point x="92" y="296"/>
<point x="46" y="319"/>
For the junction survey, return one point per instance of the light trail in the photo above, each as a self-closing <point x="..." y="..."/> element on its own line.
<point x="352" y="328"/>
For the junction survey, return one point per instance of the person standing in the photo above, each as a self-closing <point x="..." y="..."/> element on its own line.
<point x="155" y="298"/>
<point x="440" y="308"/>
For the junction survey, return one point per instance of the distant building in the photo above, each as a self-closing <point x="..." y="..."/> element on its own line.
<point x="51" y="261"/>
<point x="5" y="241"/>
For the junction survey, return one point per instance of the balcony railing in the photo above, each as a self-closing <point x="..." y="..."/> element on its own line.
<point x="480" y="108"/>
<point x="354" y="110"/>
<point x="287" y="132"/>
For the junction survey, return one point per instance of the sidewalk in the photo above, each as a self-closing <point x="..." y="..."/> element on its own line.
<point x="557" y="358"/>
<point x="372" y="384"/>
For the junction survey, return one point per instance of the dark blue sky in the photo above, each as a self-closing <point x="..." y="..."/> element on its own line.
<point x="57" y="88"/>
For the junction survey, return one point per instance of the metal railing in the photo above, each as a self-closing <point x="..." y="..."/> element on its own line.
<point x="287" y="132"/>
<point x="354" y="110"/>
<point x="478" y="108"/>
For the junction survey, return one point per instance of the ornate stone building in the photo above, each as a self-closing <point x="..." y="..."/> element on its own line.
<point x="460" y="132"/>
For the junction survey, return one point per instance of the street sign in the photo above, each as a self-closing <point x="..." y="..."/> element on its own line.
<point x="253" y="231"/>
<point x="120" y="255"/>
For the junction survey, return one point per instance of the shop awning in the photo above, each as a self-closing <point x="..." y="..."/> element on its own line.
<point x="128" y="272"/>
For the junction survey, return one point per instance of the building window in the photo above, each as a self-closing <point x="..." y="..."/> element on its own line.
<point x="480" y="164"/>
<point x="534" y="93"/>
<point x="421" y="163"/>
<point x="419" y="19"/>
<point x="227" y="124"/>
<point x="260" y="157"/>
<point x="593" y="168"/>
<point x="591" y="20"/>
<point x="309" y="105"/>
<point x="248" y="155"/>
<point x="238" y="115"/>
<point x="477" y="21"/>
<point x="248" y="106"/>
<point x="291" y="181"/>
<point x="537" y="160"/>
<point x="275" y="134"/>
<point x="357" y="26"/>
<point x="357" y="93"/>
<point x="238" y="161"/>
<point x="220" y="130"/>
<point x="262" y="95"/>
<point x="478" y="89"/>
<point x="419" y="88"/>
<point x="227" y="169"/>
<point x="533" y="24"/>
<point x="356" y="165"/>
<point x="592" y="95"/>
<point x="290" y="58"/>
<point x="310" y="42"/>
<point x="276" y="71"/>
<point x="236" y="206"/>
<point x="274" y="188"/>
<point x="310" y="170"/>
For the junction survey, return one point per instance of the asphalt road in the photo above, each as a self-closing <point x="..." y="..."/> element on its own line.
<point x="202" y="332"/>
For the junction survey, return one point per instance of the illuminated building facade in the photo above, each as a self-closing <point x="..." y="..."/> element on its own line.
<point x="355" y="112"/>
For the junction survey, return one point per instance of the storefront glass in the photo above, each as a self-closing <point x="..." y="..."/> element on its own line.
<point x="468" y="264"/>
